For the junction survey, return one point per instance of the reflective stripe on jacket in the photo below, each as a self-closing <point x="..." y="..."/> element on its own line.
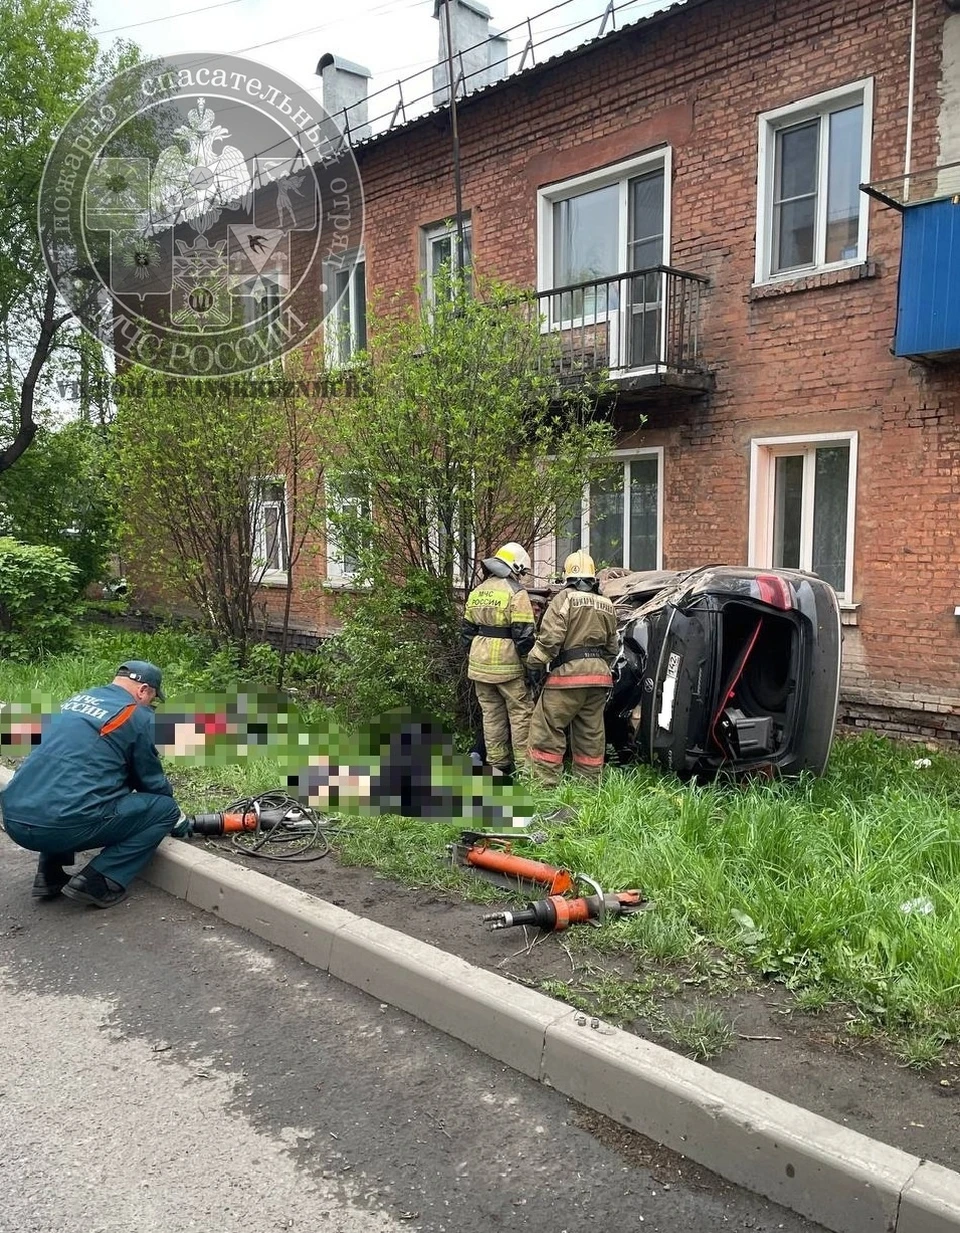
<point x="577" y="619"/>
<point x="501" y="604"/>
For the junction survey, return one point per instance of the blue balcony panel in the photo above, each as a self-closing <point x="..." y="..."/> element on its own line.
<point x="928" y="312"/>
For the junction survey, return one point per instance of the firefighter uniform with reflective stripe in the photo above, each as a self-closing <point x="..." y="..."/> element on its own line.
<point x="94" y="781"/>
<point x="576" y="644"/>
<point x="499" y="629"/>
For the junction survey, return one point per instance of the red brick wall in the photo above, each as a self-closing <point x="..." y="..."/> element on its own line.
<point x="810" y="360"/>
<point x="815" y="359"/>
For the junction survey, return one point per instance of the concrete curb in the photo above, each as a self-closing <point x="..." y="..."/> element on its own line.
<point x="835" y="1176"/>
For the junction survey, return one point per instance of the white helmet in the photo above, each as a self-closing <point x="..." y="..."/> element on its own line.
<point x="579" y="565"/>
<point x="516" y="556"/>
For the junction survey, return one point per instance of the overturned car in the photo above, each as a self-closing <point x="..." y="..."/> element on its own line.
<point x="723" y="669"/>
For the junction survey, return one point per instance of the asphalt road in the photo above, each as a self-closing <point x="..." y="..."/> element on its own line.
<point x="165" y="1072"/>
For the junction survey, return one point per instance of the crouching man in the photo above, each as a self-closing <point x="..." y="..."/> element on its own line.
<point x="95" y="781"/>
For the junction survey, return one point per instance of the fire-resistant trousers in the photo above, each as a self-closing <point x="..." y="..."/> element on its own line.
<point x="506" y="708"/>
<point x="579" y="710"/>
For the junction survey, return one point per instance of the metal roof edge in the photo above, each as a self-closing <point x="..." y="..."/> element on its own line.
<point x="673" y="12"/>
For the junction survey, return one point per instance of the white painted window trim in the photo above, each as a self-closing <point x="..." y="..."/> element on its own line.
<point x="763" y="453"/>
<point x="545" y="550"/>
<point x="335" y="573"/>
<point x="440" y="231"/>
<point x="769" y="123"/>
<point x="264" y="576"/>
<point x="547" y="196"/>
<point x="433" y="549"/>
<point x="620" y="173"/>
<point x="332" y="340"/>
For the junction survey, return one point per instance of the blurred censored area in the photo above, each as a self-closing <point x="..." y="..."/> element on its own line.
<point x="402" y="765"/>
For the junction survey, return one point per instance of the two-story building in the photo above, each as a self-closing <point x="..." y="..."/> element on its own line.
<point x="744" y="209"/>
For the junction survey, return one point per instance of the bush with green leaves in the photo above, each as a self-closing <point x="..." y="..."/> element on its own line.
<point x="57" y="494"/>
<point x="198" y="466"/>
<point x="393" y="652"/>
<point x="38" y="599"/>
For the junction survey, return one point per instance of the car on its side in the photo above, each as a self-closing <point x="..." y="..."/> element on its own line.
<point x="724" y="670"/>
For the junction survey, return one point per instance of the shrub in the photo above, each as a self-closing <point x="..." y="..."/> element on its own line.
<point x="75" y="512"/>
<point x="393" y="652"/>
<point x="38" y="602"/>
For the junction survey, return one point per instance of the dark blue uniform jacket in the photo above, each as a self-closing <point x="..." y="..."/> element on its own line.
<point x="95" y="751"/>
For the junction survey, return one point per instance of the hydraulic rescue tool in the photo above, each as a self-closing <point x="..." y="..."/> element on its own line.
<point x="557" y="913"/>
<point x="294" y="831"/>
<point x="493" y="858"/>
<point x="291" y="818"/>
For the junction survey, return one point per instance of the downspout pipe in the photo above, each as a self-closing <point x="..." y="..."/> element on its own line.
<point x="908" y="151"/>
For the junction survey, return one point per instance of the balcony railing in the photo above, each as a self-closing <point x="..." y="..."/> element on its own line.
<point x="645" y="322"/>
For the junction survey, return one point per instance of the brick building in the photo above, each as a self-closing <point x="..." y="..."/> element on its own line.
<point x="766" y="414"/>
<point x="727" y="140"/>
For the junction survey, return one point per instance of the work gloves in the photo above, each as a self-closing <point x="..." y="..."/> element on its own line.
<point x="182" y="830"/>
<point x="536" y="675"/>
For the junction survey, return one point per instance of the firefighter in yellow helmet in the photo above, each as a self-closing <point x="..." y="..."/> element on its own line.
<point x="576" y="644"/>
<point x="499" y="630"/>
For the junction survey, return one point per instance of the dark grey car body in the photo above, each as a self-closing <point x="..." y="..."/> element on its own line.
<point x="724" y="669"/>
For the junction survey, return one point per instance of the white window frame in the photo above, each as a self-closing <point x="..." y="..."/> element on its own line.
<point x="764" y="451"/>
<point x="442" y="231"/>
<point x="263" y="575"/>
<point x="433" y="544"/>
<point x="770" y="123"/>
<point x="545" y="550"/>
<point x="338" y="355"/>
<point x="337" y="575"/>
<point x="274" y="275"/>
<point x="622" y="173"/>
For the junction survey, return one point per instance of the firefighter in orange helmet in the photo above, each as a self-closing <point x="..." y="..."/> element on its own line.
<point x="576" y="644"/>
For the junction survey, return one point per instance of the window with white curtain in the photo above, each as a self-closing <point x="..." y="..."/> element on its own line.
<point x="803" y="497"/>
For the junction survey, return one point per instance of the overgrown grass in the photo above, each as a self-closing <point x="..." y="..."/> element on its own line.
<point x="184" y="660"/>
<point x="190" y="667"/>
<point x="703" y="1032"/>
<point x="804" y="881"/>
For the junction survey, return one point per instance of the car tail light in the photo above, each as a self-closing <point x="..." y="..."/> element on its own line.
<point x="775" y="591"/>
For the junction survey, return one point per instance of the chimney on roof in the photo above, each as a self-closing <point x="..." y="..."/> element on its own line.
<point x="481" y="65"/>
<point x="345" y="91"/>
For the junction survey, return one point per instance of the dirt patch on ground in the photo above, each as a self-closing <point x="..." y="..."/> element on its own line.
<point x="807" y="1059"/>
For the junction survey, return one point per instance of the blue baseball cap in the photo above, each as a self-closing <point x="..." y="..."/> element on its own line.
<point x="145" y="673"/>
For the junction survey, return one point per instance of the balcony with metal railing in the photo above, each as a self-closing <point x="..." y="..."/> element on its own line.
<point x="642" y="328"/>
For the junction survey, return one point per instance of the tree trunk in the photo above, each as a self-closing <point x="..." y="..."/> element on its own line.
<point x="27" y="429"/>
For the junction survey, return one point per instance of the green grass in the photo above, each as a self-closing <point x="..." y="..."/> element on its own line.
<point x="921" y="1052"/>
<point x="702" y="1032"/>
<point x="801" y="882"/>
<point x="98" y="653"/>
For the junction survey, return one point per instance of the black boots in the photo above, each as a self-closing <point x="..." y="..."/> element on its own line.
<point x="50" y="877"/>
<point x="90" y="886"/>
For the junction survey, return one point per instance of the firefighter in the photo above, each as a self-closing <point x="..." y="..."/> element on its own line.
<point x="571" y="658"/>
<point x="95" y="781"/>
<point x="498" y="630"/>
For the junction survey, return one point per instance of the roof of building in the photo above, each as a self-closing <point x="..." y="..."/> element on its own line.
<point x="668" y="12"/>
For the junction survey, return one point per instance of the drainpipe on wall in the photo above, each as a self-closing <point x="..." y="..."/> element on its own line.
<point x="908" y="152"/>
<point x="455" y="136"/>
